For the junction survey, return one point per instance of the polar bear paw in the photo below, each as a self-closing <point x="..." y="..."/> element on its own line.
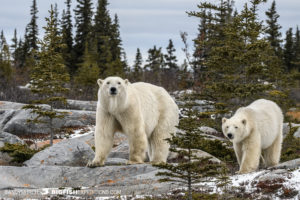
<point x="131" y="162"/>
<point x="93" y="164"/>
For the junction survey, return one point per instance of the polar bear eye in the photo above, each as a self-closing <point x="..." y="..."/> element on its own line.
<point x="227" y="127"/>
<point x="235" y="127"/>
<point x="108" y="83"/>
<point x="119" y="83"/>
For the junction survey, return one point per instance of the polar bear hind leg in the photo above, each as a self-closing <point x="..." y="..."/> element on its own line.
<point x="271" y="155"/>
<point x="159" y="147"/>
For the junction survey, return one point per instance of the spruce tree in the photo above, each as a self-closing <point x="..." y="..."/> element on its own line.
<point x="88" y="72"/>
<point x="241" y="66"/>
<point x="14" y="46"/>
<point x="296" y="51"/>
<point x="155" y="64"/>
<point x="67" y="37"/>
<point x="101" y="31"/>
<point x="117" y="67"/>
<point x="106" y="33"/>
<point x="288" y="54"/>
<point x="56" y="13"/>
<point x="188" y="169"/>
<point x="137" y="67"/>
<point x="170" y="58"/>
<point x="31" y="33"/>
<point x="48" y="77"/>
<point x="83" y="19"/>
<point x="213" y="18"/>
<point x="5" y="61"/>
<point x="273" y="29"/>
<point x="116" y="39"/>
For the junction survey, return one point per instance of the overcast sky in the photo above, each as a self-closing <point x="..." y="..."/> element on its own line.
<point x="143" y="23"/>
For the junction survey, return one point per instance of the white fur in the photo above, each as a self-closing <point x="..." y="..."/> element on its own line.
<point x="256" y="130"/>
<point x="144" y="112"/>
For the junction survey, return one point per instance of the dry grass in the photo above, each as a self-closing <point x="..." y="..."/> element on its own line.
<point x="294" y="115"/>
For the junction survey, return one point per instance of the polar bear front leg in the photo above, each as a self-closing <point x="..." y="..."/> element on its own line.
<point x="138" y="145"/>
<point x="238" y="152"/>
<point x="251" y="154"/>
<point x="104" y="135"/>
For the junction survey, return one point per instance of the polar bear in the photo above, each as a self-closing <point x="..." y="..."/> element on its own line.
<point x="255" y="130"/>
<point x="145" y="113"/>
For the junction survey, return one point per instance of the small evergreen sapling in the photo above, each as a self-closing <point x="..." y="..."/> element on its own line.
<point x="190" y="169"/>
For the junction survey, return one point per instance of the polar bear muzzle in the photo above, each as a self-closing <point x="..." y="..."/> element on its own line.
<point x="113" y="91"/>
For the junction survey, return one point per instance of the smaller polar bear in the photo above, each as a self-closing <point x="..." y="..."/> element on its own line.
<point x="145" y="113"/>
<point x="255" y="130"/>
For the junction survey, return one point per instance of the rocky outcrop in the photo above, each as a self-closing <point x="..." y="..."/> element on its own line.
<point x="9" y="138"/>
<point x="14" y="120"/>
<point x="81" y="105"/>
<point x="130" y="179"/>
<point x="287" y="127"/>
<point x="73" y="152"/>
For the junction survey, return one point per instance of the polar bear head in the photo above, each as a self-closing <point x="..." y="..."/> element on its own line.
<point x="236" y="129"/>
<point x="112" y="87"/>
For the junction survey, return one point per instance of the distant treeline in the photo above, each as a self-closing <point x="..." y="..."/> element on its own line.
<point x="231" y="46"/>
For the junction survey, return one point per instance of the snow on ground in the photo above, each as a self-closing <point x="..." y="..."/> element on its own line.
<point x="83" y="132"/>
<point x="249" y="183"/>
<point x="294" y="180"/>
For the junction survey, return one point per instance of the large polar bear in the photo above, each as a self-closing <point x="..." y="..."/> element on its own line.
<point x="255" y="130"/>
<point x="146" y="113"/>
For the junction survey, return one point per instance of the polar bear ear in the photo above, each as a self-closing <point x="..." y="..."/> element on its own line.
<point x="224" y="120"/>
<point x="244" y="121"/>
<point x="99" y="81"/>
<point x="126" y="81"/>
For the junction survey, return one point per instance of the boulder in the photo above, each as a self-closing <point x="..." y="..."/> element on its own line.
<point x="291" y="164"/>
<point x="72" y="152"/>
<point x="120" y="151"/>
<point x="9" y="138"/>
<point x="129" y="179"/>
<point x="7" y="105"/>
<point x="5" y="159"/>
<point x="15" y="121"/>
<point x="173" y="156"/>
<point x="116" y="161"/>
<point x="81" y="105"/>
<point x="286" y="129"/>
<point x="208" y="130"/>
<point x="297" y="133"/>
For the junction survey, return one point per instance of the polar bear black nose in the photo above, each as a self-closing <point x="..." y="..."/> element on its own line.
<point x="113" y="90"/>
<point x="229" y="135"/>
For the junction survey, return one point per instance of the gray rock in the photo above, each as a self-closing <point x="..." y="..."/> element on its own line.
<point x="73" y="152"/>
<point x="7" y="105"/>
<point x="15" y="121"/>
<point x="73" y="123"/>
<point x="120" y="151"/>
<point x="180" y="103"/>
<point x="286" y="129"/>
<point x="129" y="179"/>
<point x="116" y="161"/>
<point x="9" y="138"/>
<point x="88" y="139"/>
<point x="196" y="152"/>
<point x="6" y="116"/>
<point x="82" y="105"/>
<point x="5" y="158"/>
<point x="297" y="133"/>
<point x="273" y="176"/>
<point x="291" y="164"/>
<point x="209" y="130"/>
